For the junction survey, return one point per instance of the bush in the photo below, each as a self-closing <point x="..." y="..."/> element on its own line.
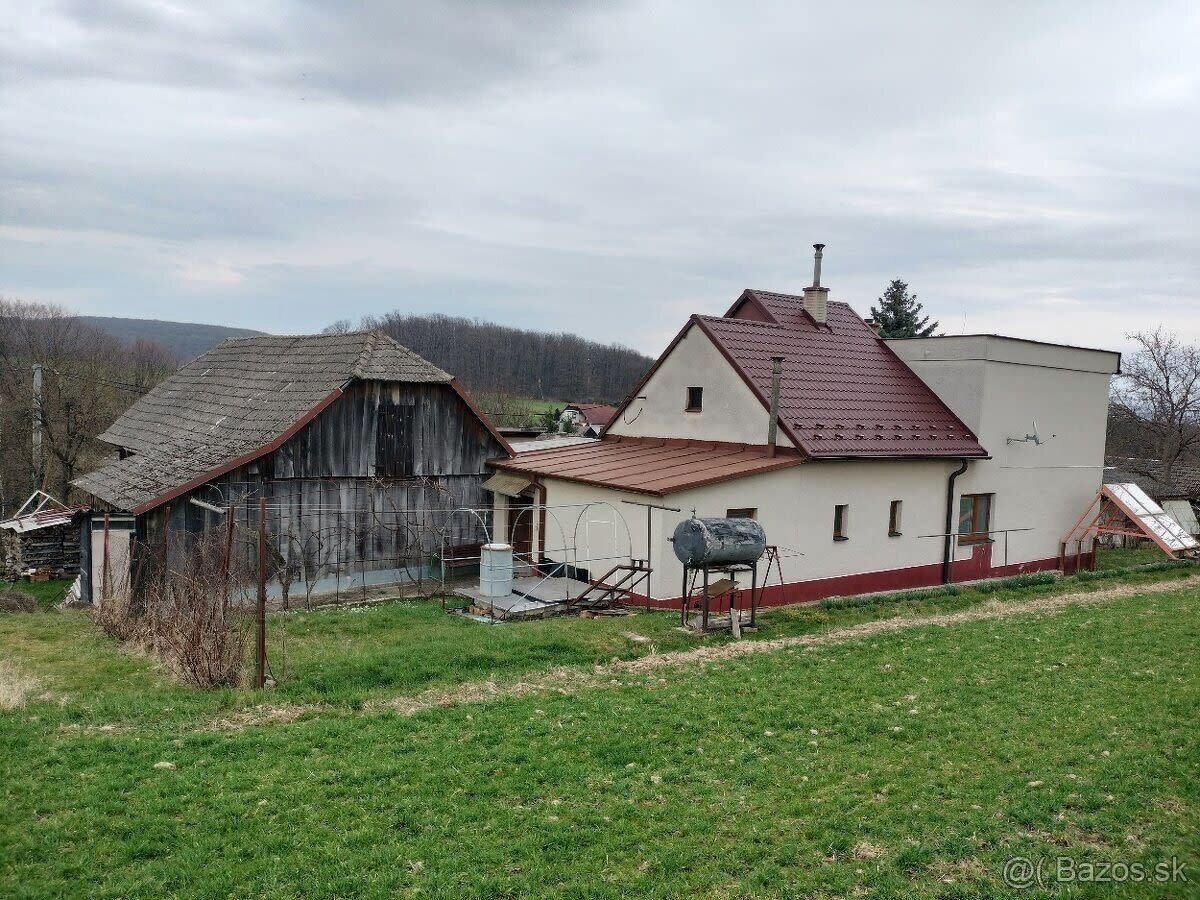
<point x="185" y="605"/>
<point x="14" y="601"/>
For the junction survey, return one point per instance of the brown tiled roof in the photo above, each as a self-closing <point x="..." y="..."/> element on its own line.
<point x="650" y="465"/>
<point x="237" y="402"/>
<point x="844" y="392"/>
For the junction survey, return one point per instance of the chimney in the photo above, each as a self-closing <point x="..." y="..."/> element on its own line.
<point x="773" y="425"/>
<point x="816" y="298"/>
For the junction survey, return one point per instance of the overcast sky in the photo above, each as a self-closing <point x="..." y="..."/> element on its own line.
<point x="1031" y="169"/>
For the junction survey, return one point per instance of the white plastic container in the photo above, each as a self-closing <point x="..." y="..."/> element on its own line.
<point x="496" y="570"/>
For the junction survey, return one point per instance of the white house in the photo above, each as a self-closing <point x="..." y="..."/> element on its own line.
<point x="587" y="419"/>
<point x="892" y="464"/>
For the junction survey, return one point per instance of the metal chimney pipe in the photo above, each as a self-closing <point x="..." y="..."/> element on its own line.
<point x="817" y="265"/>
<point x="773" y="425"/>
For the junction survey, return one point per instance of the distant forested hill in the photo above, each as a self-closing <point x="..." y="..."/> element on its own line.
<point x="183" y="340"/>
<point x="489" y="357"/>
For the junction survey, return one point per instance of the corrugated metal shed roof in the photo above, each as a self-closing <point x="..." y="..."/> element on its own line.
<point x="40" y="511"/>
<point x="650" y="465"/>
<point x="237" y="402"/>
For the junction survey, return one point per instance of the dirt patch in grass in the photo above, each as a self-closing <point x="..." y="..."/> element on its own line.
<point x="867" y="850"/>
<point x="264" y="714"/>
<point x="15" y="686"/>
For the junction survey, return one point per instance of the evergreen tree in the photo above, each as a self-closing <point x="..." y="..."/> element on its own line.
<point x="899" y="314"/>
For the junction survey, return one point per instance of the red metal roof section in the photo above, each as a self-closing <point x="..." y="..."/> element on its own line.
<point x="844" y="393"/>
<point x="595" y="413"/>
<point x="650" y="465"/>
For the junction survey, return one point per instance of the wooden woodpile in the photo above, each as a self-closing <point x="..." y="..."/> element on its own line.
<point x="51" y="551"/>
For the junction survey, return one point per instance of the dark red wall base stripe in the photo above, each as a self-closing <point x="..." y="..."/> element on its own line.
<point x="871" y="582"/>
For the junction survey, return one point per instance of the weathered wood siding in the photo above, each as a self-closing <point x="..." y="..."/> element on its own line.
<point x="428" y="431"/>
<point x="365" y="486"/>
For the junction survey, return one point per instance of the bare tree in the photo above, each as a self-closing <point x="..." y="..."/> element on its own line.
<point x="88" y="379"/>
<point x="1158" y="396"/>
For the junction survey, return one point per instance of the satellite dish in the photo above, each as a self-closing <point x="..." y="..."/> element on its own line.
<point x="1034" y="437"/>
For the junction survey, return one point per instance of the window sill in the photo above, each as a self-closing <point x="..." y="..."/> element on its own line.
<point x="970" y="541"/>
<point x="840" y="537"/>
<point x="689" y="410"/>
<point x="895" y="534"/>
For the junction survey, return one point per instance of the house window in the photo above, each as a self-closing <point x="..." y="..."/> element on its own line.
<point x="974" y="518"/>
<point x="695" y="399"/>
<point x="894" y="518"/>
<point x="746" y="512"/>
<point x="841" y="516"/>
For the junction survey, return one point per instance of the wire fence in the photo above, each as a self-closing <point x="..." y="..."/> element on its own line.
<point x="198" y="579"/>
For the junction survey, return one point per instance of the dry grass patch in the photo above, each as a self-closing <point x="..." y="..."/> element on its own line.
<point x="264" y="714"/>
<point x="867" y="850"/>
<point x="15" y="686"/>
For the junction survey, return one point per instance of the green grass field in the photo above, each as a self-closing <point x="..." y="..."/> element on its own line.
<point x="905" y="764"/>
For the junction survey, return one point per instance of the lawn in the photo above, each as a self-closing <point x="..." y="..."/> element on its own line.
<point x="904" y="764"/>
<point x="1146" y="554"/>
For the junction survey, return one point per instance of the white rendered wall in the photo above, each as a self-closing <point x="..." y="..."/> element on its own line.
<point x="795" y="508"/>
<point x="732" y="412"/>
<point x="1000" y="387"/>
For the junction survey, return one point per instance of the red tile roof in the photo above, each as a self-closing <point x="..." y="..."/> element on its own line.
<point x="844" y="392"/>
<point x="649" y="465"/>
<point x="595" y="413"/>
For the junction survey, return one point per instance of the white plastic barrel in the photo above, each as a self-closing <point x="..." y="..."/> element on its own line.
<point x="496" y="570"/>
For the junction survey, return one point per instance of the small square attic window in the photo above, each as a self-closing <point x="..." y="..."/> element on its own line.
<point x="695" y="399"/>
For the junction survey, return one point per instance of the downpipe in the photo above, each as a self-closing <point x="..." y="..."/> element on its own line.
<point x="948" y="550"/>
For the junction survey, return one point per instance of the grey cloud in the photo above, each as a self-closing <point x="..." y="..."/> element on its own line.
<point x="604" y="168"/>
<point x="363" y="51"/>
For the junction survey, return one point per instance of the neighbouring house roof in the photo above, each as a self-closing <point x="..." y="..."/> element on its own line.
<point x="649" y="465"/>
<point x="598" y="414"/>
<point x="843" y="393"/>
<point x="1184" y="513"/>
<point x="240" y="401"/>
<point x="1183" y="483"/>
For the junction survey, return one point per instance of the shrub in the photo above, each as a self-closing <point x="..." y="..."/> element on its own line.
<point x="14" y="601"/>
<point x="186" y="605"/>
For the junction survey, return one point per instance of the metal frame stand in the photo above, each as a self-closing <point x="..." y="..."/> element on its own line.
<point x="731" y="570"/>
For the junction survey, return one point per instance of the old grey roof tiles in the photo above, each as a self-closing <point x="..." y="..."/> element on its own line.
<point x="236" y="400"/>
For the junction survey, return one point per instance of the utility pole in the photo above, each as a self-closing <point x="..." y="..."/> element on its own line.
<point x="39" y="425"/>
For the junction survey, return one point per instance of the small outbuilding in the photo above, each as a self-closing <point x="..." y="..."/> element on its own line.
<point x="42" y="538"/>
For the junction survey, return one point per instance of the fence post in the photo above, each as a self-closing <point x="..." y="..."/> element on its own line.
<point x="260" y="656"/>
<point x="228" y="553"/>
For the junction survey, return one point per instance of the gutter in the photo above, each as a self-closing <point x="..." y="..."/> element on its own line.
<point x="948" y="550"/>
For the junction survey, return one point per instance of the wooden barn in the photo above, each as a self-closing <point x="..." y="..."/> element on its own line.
<point x="360" y="450"/>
